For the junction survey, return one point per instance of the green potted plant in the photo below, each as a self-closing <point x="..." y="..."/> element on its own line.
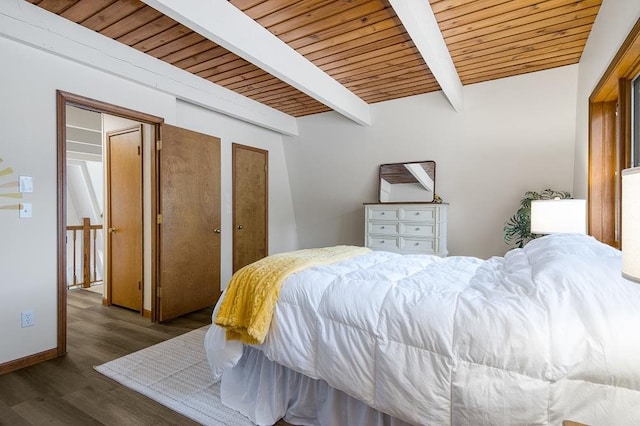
<point x="517" y="230"/>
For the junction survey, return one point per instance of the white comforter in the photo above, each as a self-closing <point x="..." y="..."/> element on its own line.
<point x="547" y="333"/>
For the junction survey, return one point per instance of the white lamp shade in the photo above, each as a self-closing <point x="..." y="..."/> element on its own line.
<point x="558" y="215"/>
<point x="631" y="224"/>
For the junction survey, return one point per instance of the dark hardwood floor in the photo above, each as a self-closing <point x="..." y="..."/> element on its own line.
<point x="68" y="391"/>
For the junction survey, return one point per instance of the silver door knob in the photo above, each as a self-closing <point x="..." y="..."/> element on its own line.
<point x="216" y="231"/>
<point x="240" y="227"/>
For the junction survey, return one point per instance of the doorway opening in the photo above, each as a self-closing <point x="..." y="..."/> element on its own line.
<point x="181" y="256"/>
<point x="85" y="199"/>
<point x="105" y="222"/>
<point x="105" y="198"/>
<point x="85" y="128"/>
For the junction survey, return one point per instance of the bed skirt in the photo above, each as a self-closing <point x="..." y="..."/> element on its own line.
<point x="265" y="392"/>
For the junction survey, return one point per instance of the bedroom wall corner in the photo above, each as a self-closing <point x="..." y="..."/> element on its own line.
<point x="513" y="135"/>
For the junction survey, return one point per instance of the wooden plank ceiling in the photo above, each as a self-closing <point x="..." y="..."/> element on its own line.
<point x="360" y="43"/>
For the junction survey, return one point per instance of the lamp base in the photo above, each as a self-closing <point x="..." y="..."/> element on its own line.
<point x="631" y="278"/>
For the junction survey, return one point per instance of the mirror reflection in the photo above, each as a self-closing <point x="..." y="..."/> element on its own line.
<point x="407" y="182"/>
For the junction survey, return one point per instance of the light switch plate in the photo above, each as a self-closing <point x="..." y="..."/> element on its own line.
<point x="25" y="184"/>
<point x="26" y="210"/>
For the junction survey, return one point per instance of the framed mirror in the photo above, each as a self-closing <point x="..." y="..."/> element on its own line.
<point x="407" y="182"/>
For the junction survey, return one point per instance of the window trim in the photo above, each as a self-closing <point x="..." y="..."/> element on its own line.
<point x="610" y="140"/>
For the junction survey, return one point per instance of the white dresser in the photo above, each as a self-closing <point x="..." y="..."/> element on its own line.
<point x="406" y="228"/>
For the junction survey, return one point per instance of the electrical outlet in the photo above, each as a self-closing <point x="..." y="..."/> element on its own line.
<point x="27" y="318"/>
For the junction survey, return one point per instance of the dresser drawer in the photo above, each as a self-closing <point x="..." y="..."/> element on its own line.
<point x="418" y="229"/>
<point x="382" y="243"/>
<point x="382" y="228"/>
<point x="419" y="245"/>
<point x="383" y="214"/>
<point x="418" y="214"/>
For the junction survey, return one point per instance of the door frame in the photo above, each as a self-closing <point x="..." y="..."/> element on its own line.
<point x="62" y="100"/>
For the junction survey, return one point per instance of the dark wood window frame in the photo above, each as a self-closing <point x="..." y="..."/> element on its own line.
<point x="610" y="139"/>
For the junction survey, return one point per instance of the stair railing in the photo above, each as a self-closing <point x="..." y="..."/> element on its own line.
<point x="87" y="243"/>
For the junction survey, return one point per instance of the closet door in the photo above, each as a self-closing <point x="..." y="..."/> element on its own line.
<point x="250" y="204"/>
<point x="189" y="222"/>
<point x="124" y="230"/>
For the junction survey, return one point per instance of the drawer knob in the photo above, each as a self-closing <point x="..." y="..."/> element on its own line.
<point x="416" y="244"/>
<point x="382" y="227"/>
<point x="417" y="213"/>
<point x="417" y="229"/>
<point x="381" y="213"/>
<point x="382" y="242"/>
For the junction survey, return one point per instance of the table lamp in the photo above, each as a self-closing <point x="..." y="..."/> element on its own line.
<point x="558" y="215"/>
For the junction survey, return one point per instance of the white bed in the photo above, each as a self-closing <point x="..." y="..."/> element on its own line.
<point x="547" y="333"/>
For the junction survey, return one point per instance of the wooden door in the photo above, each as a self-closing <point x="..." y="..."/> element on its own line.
<point x="124" y="228"/>
<point x="189" y="228"/>
<point x="250" y="204"/>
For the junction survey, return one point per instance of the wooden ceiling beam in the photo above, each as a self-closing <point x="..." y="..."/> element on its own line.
<point x="225" y="25"/>
<point x="420" y="22"/>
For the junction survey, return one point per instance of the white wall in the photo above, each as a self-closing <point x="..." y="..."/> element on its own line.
<point x="28" y="120"/>
<point x="28" y="146"/>
<point x="615" y="20"/>
<point x="514" y="135"/>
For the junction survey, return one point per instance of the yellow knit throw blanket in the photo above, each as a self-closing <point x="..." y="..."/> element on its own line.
<point x="252" y="293"/>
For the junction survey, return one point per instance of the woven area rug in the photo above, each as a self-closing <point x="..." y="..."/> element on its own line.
<point x="176" y="374"/>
